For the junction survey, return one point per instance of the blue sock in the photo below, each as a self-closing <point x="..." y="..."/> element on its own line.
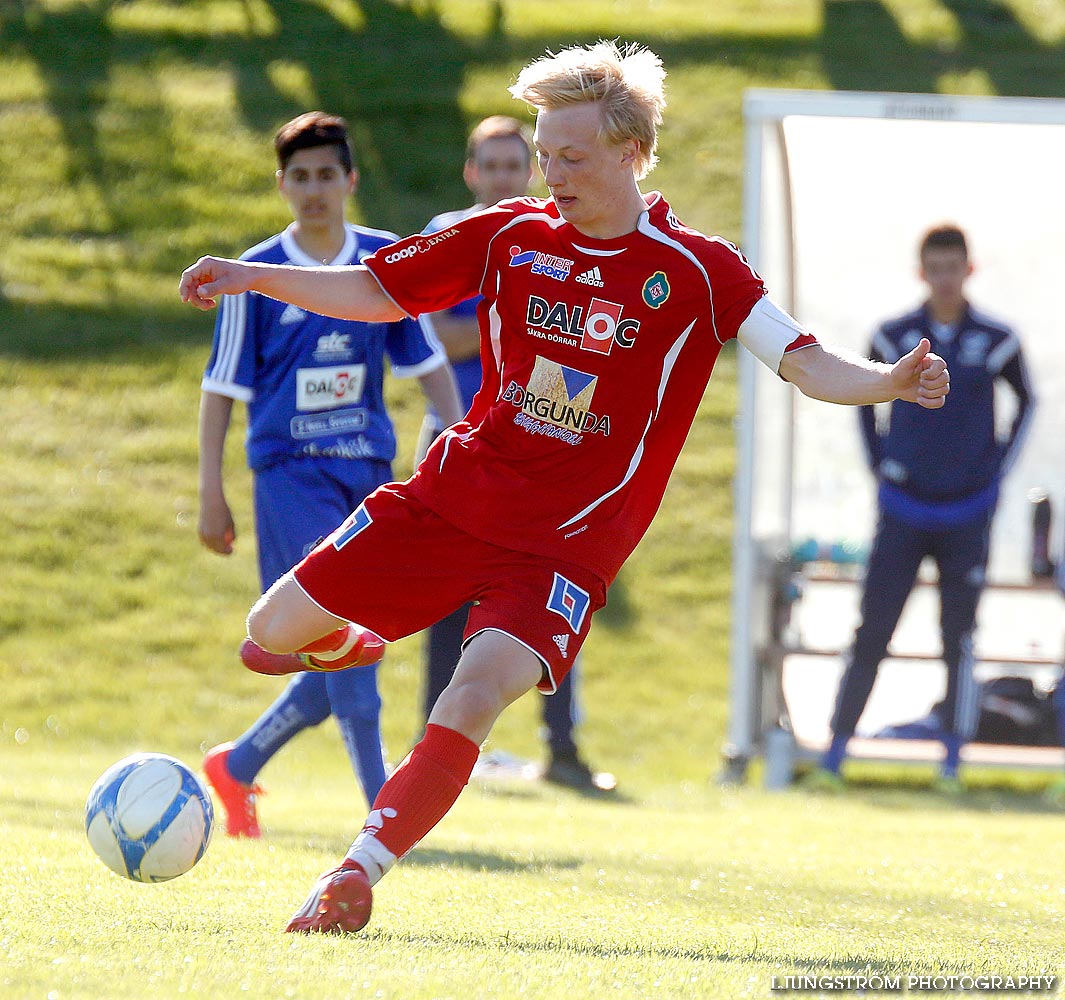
<point x="303" y="703"/>
<point x="837" y="750"/>
<point x="356" y="703"/>
<point x="362" y="739"/>
<point x="952" y="742"/>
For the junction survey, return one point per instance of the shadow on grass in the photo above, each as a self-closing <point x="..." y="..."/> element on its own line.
<point x="70" y="333"/>
<point x="787" y="962"/>
<point x="864" y="47"/>
<point x="486" y="861"/>
<point x="398" y="73"/>
<point x="980" y="794"/>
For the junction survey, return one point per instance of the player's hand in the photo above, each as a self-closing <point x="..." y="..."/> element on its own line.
<point x="921" y="377"/>
<point x="216" y="528"/>
<point x="210" y="277"/>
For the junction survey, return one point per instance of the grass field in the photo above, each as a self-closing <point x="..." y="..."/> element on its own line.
<point x="526" y="892"/>
<point x="134" y="136"/>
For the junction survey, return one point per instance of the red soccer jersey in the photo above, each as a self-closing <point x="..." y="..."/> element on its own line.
<point x="596" y="354"/>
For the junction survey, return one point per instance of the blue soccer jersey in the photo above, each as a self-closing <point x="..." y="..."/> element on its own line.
<point x="314" y="385"/>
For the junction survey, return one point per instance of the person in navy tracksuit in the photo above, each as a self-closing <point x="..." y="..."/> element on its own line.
<point x="939" y="473"/>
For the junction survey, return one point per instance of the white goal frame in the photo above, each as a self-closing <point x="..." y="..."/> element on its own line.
<point x="767" y="423"/>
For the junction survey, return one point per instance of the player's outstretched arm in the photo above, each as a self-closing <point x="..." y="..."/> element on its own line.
<point x="343" y="292"/>
<point x="919" y="377"/>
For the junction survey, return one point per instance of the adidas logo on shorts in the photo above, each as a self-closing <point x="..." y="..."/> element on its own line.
<point x="592" y="277"/>
<point x="562" y="641"/>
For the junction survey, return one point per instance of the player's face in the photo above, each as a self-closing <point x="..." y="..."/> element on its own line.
<point x="591" y="180"/>
<point x="316" y="186"/>
<point x="501" y="168"/>
<point x="945" y="271"/>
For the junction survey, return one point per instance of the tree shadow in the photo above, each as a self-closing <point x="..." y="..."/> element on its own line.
<point x="398" y="73"/>
<point x="863" y="47"/>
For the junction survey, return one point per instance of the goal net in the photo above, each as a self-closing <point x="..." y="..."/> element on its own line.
<point x="839" y="189"/>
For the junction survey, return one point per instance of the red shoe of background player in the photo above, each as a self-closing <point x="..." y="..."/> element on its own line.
<point x="237" y="798"/>
<point x="352" y="646"/>
<point x="339" y="903"/>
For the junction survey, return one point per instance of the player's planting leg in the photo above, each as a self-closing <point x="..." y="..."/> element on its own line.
<point x="493" y="672"/>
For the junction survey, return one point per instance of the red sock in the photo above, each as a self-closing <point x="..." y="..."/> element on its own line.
<point x="415" y="798"/>
<point x="348" y="646"/>
<point x="329" y="643"/>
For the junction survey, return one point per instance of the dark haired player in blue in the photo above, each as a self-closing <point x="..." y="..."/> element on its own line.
<point x="939" y="480"/>
<point x="499" y="165"/>
<point x="319" y="441"/>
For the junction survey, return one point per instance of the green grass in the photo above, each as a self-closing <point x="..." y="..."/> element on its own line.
<point x="135" y="136"/>
<point x="528" y="892"/>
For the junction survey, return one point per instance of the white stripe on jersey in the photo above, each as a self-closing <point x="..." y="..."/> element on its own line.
<point x="495" y="325"/>
<point x="1005" y="351"/>
<point x="437" y="359"/>
<point x="1021" y="434"/>
<point x="230" y="337"/>
<point x="599" y="253"/>
<point x="637" y="455"/>
<point x="644" y="226"/>
<point x="885" y="348"/>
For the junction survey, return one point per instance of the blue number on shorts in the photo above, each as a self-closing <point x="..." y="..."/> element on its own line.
<point x="569" y="601"/>
<point x="358" y="520"/>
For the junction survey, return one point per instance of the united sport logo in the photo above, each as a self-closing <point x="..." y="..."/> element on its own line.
<point x="569" y="601"/>
<point x="542" y="263"/>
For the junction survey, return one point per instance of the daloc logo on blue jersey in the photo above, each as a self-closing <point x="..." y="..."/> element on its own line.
<point x="570" y="601"/>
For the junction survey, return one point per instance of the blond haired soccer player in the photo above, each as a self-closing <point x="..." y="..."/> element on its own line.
<point x="602" y="318"/>
<point x="499" y="165"/>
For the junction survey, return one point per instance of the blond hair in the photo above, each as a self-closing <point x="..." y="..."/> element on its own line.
<point x="498" y="127"/>
<point x="628" y="83"/>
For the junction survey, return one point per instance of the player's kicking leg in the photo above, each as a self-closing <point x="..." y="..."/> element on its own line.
<point x="288" y="632"/>
<point x="494" y="670"/>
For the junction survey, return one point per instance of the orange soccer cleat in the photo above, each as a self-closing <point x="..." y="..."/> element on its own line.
<point x="237" y="798"/>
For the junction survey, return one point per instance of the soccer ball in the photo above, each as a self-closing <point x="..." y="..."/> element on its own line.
<point x="149" y="818"/>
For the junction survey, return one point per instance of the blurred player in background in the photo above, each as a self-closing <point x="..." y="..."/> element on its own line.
<point x="498" y="165"/>
<point x="319" y="441"/>
<point x="939" y="475"/>
<point x="601" y="321"/>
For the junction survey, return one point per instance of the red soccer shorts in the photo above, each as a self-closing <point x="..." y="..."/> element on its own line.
<point x="397" y="567"/>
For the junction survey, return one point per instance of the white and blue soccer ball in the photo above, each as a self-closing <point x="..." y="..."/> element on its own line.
<point x="149" y="818"/>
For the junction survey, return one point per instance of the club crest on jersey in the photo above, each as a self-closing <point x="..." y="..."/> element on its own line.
<point x="569" y="601"/>
<point x="542" y="263"/>
<point x="656" y="290"/>
<point x="598" y="325"/>
<point x="557" y="402"/>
